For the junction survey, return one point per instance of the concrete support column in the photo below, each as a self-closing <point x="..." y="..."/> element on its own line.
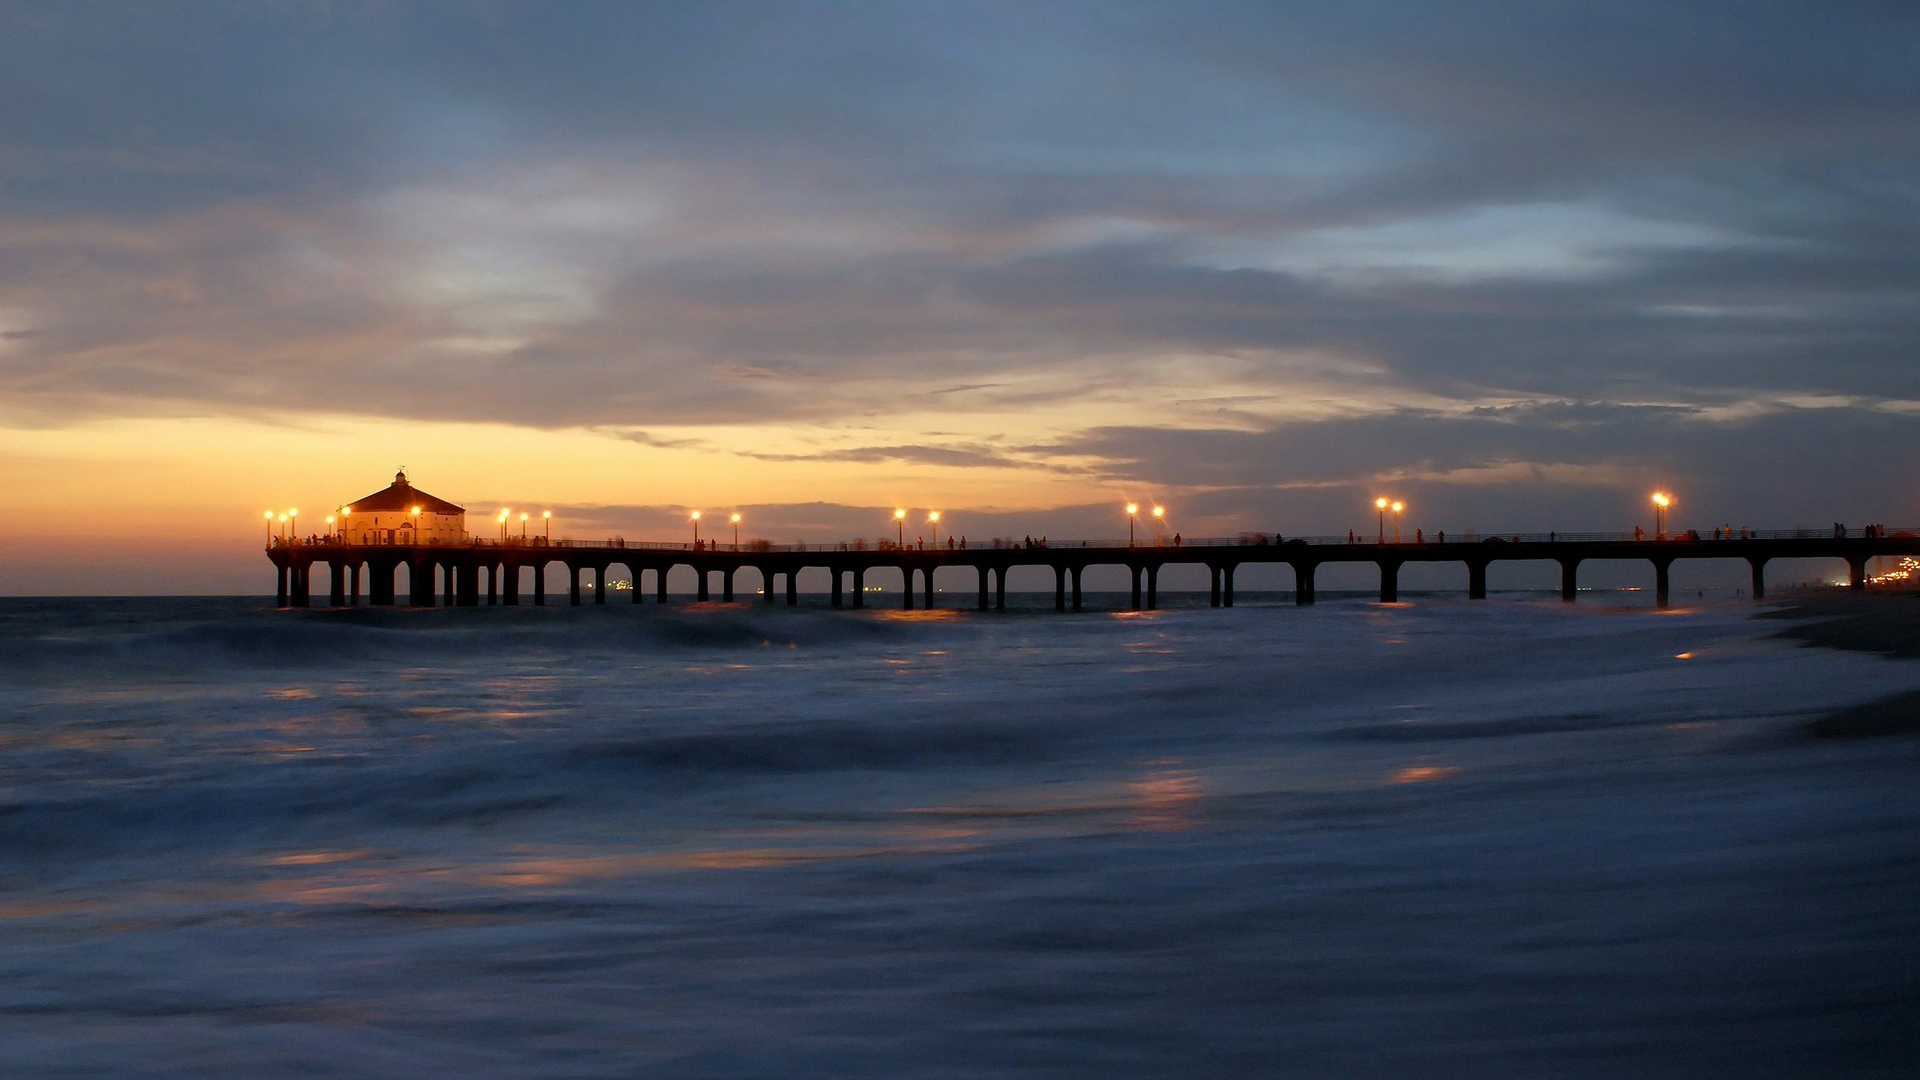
<point x="1569" y="579"/>
<point x="793" y="587"/>
<point x="639" y="578"/>
<point x="1226" y="584"/>
<point x="1303" y="583"/>
<point x="837" y="572"/>
<point x="929" y="586"/>
<point x="337" y="584"/>
<point x="1389" y="581"/>
<point x="466" y="578"/>
<point x="860" y="587"/>
<point x="301" y="592"/>
<point x="380" y="582"/>
<point x="540" y="582"/>
<point x="1476" y="581"/>
<point x="1153" y="586"/>
<point x="510" y="584"/>
<point x="1134" y="599"/>
<point x="447" y="583"/>
<point x="702" y="593"/>
<point x="1759" y="568"/>
<point x="1000" y="589"/>
<point x="1856" y="572"/>
<point x="1213" y="585"/>
<point x="660" y="583"/>
<point x="767" y="584"/>
<point x="573" y="578"/>
<point x="1661" y="582"/>
<point x="982" y="571"/>
<point x="353" y="584"/>
<point x="1075" y="573"/>
<point x="906" y="578"/>
<point x="1059" y="588"/>
<point x="600" y="584"/>
<point x="420" y="574"/>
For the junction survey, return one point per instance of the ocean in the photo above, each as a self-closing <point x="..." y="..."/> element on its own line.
<point x="1505" y="838"/>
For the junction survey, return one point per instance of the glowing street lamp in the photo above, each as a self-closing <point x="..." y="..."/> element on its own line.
<point x="547" y="517"/>
<point x="933" y="522"/>
<point x="269" y="528"/>
<point x="416" y="523"/>
<point x="1380" y="504"/>
<point x="1661" y="500"/>
<point x="696" y="529"/>
<point x="329" y="527"/>
<point x="293" y="523"/>
<point x="1159" y="515"/>
<point x="736" y="530"/>
<point x="900" y="528"/>
<point x="283" y="528"/>
<point x="503" y="525"/>
<point x="523" y="528"/>
<point x="1133" y="514"/>
<point x="1396" y="508"/>
<point x="346" y="529"/>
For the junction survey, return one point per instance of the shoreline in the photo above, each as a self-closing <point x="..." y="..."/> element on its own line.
<point x="1884" y="623"/>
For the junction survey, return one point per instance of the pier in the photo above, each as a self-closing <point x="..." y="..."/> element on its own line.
<point x="475" y="572"/>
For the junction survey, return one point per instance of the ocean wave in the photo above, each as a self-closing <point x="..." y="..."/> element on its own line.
<point x="255" y="638"/>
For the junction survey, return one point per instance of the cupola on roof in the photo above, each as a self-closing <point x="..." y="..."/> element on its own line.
<point x="403" y="497"/>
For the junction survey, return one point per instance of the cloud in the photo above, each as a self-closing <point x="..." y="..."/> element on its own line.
<point x="1246" y="250"/>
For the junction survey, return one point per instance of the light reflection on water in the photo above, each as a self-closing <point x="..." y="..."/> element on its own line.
<point x="1495" y="840"/>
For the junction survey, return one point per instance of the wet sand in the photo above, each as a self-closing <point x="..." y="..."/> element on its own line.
<point x="1884" y="623"/>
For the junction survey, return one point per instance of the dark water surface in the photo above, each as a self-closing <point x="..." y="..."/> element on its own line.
<point x="1441" y="838"/>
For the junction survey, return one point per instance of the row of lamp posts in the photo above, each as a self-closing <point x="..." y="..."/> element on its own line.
<point x="289" y="521"/>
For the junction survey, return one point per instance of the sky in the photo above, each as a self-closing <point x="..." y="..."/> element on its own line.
<point x="1517" y="264"/>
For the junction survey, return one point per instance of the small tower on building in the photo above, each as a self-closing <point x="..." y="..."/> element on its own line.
<point x="403" y="514"/>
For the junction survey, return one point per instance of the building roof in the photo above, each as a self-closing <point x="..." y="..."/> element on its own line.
<point x="403" y="497"/>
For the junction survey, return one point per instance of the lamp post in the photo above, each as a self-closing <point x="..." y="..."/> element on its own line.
<point x="1133" y="514"/>
<point x="736" y="530"/>
<point x="546" y="517"/>
<point x="1380" y="504"/>
<point x="293" y="523"/>
<point x="1159" y="515"/>
<point x="269" y="528"/>
<point x="900" y="528"/>
<point x="933" y="522"/>
<point x="696" y="530"/>
<point x="1661" y="500"/>
<point x="329" y="528"/>
<point x="523" y="528"/>
<point x="415" y="512"/>
<point x="346" y="526"/>
<point x="503" y="524"/>
<point x="283" y="528"/>
<point x="1396" y="508"/>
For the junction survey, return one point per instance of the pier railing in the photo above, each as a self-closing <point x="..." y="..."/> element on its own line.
<point x="1251" y="539"/>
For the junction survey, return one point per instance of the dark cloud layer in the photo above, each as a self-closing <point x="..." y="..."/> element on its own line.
<point x="1594" y="240"/>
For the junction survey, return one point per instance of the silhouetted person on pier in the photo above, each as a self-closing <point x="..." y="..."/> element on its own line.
<point x="1349" y="536"/>
<point x="1639" y="533"/>
<point x="1176" y="539"/>
<point x="1419" y="536"/>
<point x="1443" y="536"/>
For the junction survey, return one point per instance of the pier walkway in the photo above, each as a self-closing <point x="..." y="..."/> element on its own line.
<point x="474" y="572"/>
